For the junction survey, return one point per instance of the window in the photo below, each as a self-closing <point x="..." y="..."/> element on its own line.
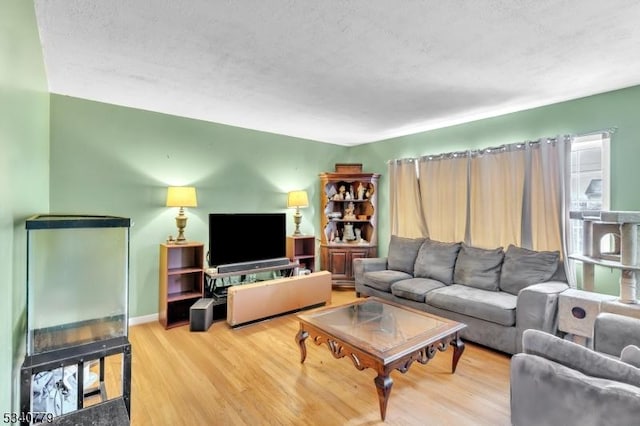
<point x="590" y="182"/>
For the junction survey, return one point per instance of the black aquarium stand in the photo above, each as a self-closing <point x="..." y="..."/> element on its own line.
<point x="78" y="355"/>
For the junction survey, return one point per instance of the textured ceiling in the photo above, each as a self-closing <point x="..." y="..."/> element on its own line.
<point x="343" y="72"/>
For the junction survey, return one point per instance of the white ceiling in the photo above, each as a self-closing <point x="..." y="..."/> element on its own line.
<point x="343" y="72"/>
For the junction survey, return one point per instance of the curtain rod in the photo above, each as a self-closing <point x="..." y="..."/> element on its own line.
<point x="491" y="149"/>
<point x="610" y="130"/>
<point x="456" y="154"/>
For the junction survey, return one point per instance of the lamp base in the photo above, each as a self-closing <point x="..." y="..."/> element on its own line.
<point x="181" y="223"/>
<point x="297" y="219"/>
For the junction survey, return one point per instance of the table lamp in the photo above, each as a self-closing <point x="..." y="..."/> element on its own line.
<point x="297" y="199"/>
<point x="181" y="196"/>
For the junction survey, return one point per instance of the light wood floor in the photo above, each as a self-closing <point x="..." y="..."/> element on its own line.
<point x="252" y="375"/>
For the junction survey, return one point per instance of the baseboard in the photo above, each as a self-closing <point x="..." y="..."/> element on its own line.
<point x="143" y="319"/>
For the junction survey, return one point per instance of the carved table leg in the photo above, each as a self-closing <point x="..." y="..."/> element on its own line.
<point x="300" y="338"/>
<point x="383" y="386"/>
<point x="458" y="348"/>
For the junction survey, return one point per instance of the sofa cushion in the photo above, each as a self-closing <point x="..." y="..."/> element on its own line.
<point x="494" y="306"/>
<point x="436" y="260"/>
<point x="414" y="288"/>
<point x="522" y="268"/>
<point x="402" y="253"/>
<point x="382" y="280"/>
<point x="477" y="267"/>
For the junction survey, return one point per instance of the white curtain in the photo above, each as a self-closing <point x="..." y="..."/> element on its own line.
<point x="443" y="195"/>
<point x="496" y="195"/>
<point x="407" y="219"/>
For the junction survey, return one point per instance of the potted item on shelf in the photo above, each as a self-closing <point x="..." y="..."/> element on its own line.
<point x="369" y="192"/>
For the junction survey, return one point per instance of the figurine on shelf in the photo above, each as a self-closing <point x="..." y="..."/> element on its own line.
<point x="349" y="211"/>
<point x="340" y="194"/>
<point x="361" y="190"/>
<point x="358" y="232"/>
<point x="348" y="232"/>
<point x="351" y="193"/>
<point x="332" y="192"/>
<point x="336" y="238"/>
<point x="347" y="196"/>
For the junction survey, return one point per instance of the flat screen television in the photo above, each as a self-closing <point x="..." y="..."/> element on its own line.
<point x="246" y="237"/>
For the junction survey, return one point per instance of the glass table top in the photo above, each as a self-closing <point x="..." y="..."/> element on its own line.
<point x="378" y="325"/>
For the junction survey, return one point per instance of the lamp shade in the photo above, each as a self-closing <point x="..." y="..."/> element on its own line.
<point x="297" y="199"/>
<point x="181" y="196"/>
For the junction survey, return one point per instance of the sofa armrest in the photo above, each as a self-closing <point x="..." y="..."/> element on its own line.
<point x="612" y="332"/>
<point x="363" y="265"/>
<point x="537" y="308"/>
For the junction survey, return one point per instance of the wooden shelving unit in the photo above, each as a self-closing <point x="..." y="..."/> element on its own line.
<point x="302" y="249"/>
<point x="348" y="201"/>
<point x="181" y="281"/>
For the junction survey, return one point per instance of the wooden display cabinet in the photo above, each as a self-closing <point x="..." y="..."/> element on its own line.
<point x="349" y="228"/>
<point x="302" y="249"/>
<point x="181" y="281"/>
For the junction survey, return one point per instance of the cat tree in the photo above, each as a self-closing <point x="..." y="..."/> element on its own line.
<point x="623" y="225"/>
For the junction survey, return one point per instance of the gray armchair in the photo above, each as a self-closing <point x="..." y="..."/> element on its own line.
<point x="557" y="382"/>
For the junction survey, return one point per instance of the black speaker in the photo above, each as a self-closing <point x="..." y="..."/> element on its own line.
<point x="248" y="266"/>
<point x="201" y="315"/>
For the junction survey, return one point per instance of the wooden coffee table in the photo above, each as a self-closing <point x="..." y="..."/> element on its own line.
<point x="381" y="335"/>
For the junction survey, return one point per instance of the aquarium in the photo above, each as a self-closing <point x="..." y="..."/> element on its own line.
<point x="77" y="280"/>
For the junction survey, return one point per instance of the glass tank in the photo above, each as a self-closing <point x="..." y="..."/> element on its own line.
<point x="77" y="280"/>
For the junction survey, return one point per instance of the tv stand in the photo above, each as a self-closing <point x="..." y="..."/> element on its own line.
<point x="212" y="275"/>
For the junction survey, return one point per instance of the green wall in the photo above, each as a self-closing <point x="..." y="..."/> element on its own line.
<point x="113" y="160"/>
<point x="108" y="159"/>
<point x="24" y="175"/>
<point x="617" y="109"/>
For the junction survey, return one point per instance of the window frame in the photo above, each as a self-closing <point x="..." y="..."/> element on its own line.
<point x="589" y="141"/>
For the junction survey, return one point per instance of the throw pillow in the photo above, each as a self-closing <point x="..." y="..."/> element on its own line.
<point x="631" y="355"/>
<point x="479" y="268"/>
<point x="402" y="253"/>
<point x="522" y="268"/>
<point x="436" y="260"/>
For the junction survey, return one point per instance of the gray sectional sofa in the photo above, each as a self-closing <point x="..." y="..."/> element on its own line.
<point x="497" y="293"/>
